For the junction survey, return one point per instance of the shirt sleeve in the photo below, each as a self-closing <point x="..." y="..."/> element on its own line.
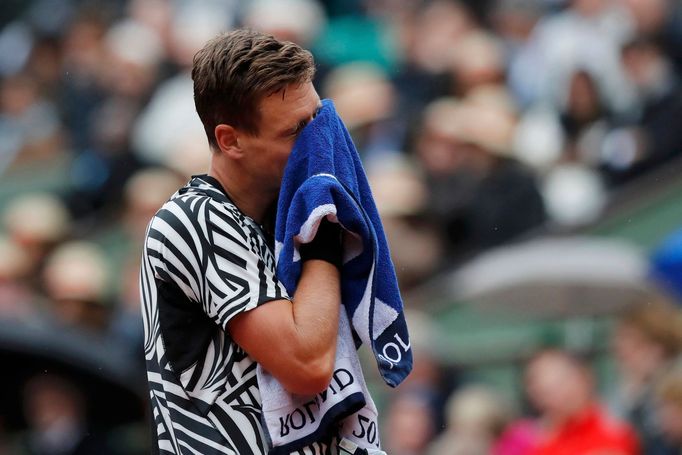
<point x="216" y="259"/>
<point x="240" y="272"/>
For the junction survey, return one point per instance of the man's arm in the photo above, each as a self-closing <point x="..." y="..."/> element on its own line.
<point x="296" y="341"/>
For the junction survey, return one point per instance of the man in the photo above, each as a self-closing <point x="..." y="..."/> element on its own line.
<point x="213" y="306"/>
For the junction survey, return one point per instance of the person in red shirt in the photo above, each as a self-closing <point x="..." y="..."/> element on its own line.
<point x="571" y="421"/>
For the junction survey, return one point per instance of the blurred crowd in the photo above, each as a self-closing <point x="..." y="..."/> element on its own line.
<point x="562" y="408"/>
<point x="479" y="122"/>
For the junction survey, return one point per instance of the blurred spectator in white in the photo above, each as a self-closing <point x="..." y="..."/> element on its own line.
<point x="571" y="420"/>
<point x="193" y="23"/>
<point x="647" y="340"/>
<point x="168" y="120"/>
<point x="133" y="52"/>
<point x="57" y="422"/>
<point x="36" y="223"/>
<point x="572" y="130"/>
<point x="563" y="143"/>
<point x="476" y="417"/>
<point x="29" y="125"/>
<point x="157" y="15"/>
<point x="76" y="280"/>
<point x="479" y="194"/>
<point x="409" y="423"/>
<point x="586" y="35"/>
<point x="652" y="137"/>
<point x="669" y="412"/>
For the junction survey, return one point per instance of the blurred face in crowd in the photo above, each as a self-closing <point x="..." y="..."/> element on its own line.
<point x="649" y="15"/>
<point x="283" y="115"/>
<point x="584" y="104"/>
<point x="438" y="146"/>
<point x="440" y="152"/>
<point x="50" y="402"/>
<point x="558" y="386"/>
<point x="635" y="353"/>
<point x="589" y="7"/>
<point x="670" y="418"/>
<point x="646" y="67"/>
<point x="409" y="424"/>
<point x="668" y="400"/>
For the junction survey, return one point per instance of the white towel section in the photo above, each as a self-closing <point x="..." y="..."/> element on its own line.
<point x="289" y="417"/>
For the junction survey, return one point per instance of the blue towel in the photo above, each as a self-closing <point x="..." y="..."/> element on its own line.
<point x="324" y="177"/>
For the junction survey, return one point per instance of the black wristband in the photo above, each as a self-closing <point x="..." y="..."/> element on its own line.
<point x="326" y="245"/>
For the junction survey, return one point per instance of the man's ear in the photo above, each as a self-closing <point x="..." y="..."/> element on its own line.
<point x="227" y="138"/>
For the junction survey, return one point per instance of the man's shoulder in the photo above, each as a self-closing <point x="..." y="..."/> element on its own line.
<point x="196" y="203"/>
<point x="202" y="214"/>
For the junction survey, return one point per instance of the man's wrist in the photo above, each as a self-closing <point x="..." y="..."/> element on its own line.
<point x="326" y="246"/>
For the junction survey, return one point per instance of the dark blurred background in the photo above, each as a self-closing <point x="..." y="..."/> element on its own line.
<point x="524" y="155"/>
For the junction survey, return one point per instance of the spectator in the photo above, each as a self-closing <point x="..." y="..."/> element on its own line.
<point x="587" y="34"/>
<point x="55" y="413"/>
<point x="571" y="419"/>
<point x="476" y="417"/>
<point x="365" y="99"/>
<point x="660" y="20"/>
<point x="646" y="341"/>
<point x="36" y="223"/>
<point x="409" y="423"/>
<point x="76" y="282"/>
<point x="476" y="61"/>
<point x="669" y="412"/>
<point x="17" y="299"/>
<point x="652" y="139"/>
<point x="400" y="194"/>
<point x="144" y="193"/>
<point x="479" y="194"/>
<point x="29" y="125"/>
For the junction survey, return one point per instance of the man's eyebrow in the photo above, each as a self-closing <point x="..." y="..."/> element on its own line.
<point x="303" y="122"/>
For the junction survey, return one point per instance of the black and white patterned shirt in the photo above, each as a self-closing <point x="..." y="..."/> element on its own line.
<point x="204" y="262"/>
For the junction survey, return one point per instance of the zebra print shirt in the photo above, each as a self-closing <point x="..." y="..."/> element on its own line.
<point x="203" y="263"/>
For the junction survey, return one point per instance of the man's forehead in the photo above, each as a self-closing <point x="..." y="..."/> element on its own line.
<point x="290" y="102"/>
